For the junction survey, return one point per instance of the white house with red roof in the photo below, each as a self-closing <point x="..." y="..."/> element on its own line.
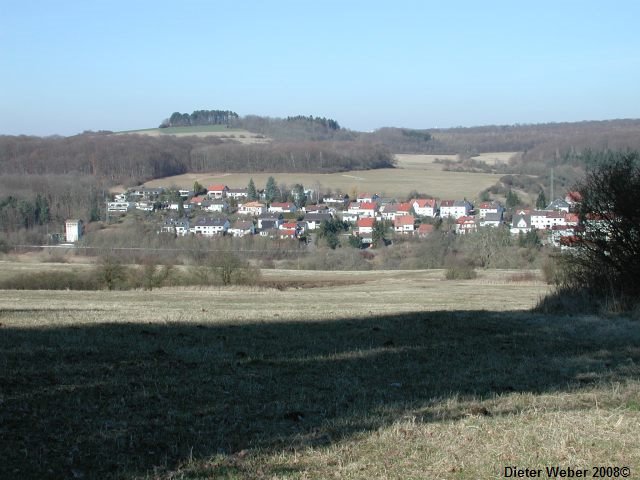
<point x="217" y="191"/>
<point x="368" y="209"/>
<point x="425" y="230"/>
<point x="393" y="210"/>
<point x="367" y="197"/>
<point x="424" y="207"/>
<point x="252" y="208"/>
<point x="466" y="224"/>
<point x="364" y="226"/>
<point x="489" y="207"/>
<point x="404" y="224"/>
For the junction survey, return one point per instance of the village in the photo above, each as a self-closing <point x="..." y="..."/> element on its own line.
<point x="221" y="210"/>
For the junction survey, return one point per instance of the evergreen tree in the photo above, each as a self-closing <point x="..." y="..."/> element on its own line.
<point x="541" y="202"/>
<point x="512" y="199"/>
<point x="252" y="194"/>
<point x="299" y="197"/>
<point x="271" y="190"/>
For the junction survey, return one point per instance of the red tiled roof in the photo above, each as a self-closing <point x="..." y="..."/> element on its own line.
<point x="404" y="220"/>
<point x="367" y="206"/>
<point x="426" y="228"/>
<point x="424" y="202"/>
<point x="447" y="203"/>
<point x="462" y="220"/>
<point x="366" y="222"/>
<point x="217" y="188"/>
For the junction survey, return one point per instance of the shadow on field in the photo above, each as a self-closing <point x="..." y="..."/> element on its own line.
<point x="126" y="400"/>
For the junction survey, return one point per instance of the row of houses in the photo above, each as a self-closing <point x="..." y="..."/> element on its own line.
<point x="271" y="225"/>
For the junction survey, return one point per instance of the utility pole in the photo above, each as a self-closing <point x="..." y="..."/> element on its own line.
<point x="552" y="197"/>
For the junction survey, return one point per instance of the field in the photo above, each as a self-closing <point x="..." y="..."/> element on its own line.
<point x="414" y="172"/>
<point x="237" y="134"/>
<point x="382" y="375"/>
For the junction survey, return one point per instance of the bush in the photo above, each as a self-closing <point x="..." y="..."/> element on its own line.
<point x="460" y="272"/>
<point x="55" y="280"/>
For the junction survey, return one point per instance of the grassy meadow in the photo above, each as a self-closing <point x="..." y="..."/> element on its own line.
<point x="368" y="375"/>
<point x="414" y="172"/>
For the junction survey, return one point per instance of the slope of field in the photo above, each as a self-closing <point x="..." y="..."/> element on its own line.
<point x="220" y="131"/>
<point x="414" y="172"/>
<point x="398" y="375"/>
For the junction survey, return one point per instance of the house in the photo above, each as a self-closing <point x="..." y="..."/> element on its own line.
<point x="319" y="208"/>
<point x="269" y="220"/>
<point x="120" y="197"/>
<point x="559" y="205"/>
<point x="197" y="200"/>
<point x="176" y="206"/>
<point x="217" y="191"/>
<point x="147" y="193"/>
<point x="571" y="219"/>
<point x="179" y="227"/>
<point x="337" y="201"/>
<point x="282" y="207"/>
<point x="455" y="208"/>
<point x="287" y="233"/>
<point x="560" y="234"/>
<point x="252" y="208"/>
<point x="237" y="193"/>
<point x="219" y="205"/>
<point x="367" y="197"/>
<point x="466" y="224"/>
<point x="73" y="230"/>
<point x="364" y="227"/>
<point x="210" y="227"/>
<point x="348" y="216"/>
<point x="545" y="220"/>
<point x="354" y="207"/>
<point x="270" y="232"/>
<point x="241" y="228"/>
<point x="145" y="206"/>
<point x="521" y="222"/>
<point x="425" y="229"/>
<point x="393" y="210"/>
<point x="184" y="193"/>
<point x="315" y="219"/>
<point x="490" y="219"/>
<point x="573" y="199"/>
<point x="368" y="209"/>
<point x="404" y="224"/>
<point x="425" y="207"/>
<point x="119" y="207"/>
<point x="489" y="207"/>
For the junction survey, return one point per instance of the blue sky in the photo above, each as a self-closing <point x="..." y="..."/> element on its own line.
<point x="69" y="66"/>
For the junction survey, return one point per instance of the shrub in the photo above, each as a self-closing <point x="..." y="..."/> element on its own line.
<point x="460" y="272"/>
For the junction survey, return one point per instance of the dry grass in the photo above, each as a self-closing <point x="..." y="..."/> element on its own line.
<point x="414" y="172"/>
<point x="376" y="375"/>
<point x="235" y="134"/>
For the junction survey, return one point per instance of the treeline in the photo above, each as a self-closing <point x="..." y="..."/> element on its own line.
<point x="200" y="117"/>
<point x="548" y="142"/>
<point x="30" y="201"/>
<point x="133" y="159"/>
<point x="296" y="128"/>
<point x="315" y="157"/>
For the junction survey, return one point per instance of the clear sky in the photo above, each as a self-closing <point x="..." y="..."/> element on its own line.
<point x="68" y="66"/>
